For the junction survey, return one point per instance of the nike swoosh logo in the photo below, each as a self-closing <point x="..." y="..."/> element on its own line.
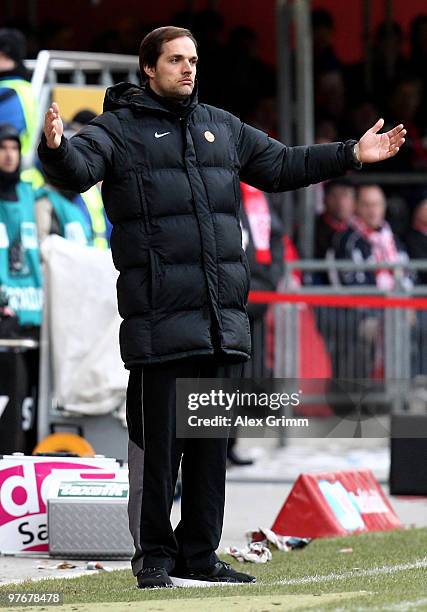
<point x="161" y="135"/>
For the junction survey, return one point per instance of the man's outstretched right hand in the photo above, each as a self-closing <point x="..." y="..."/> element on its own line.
<point x="53" y="127"/>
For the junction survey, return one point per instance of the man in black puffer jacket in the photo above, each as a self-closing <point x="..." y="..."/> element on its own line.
<point x="170" y="169"/>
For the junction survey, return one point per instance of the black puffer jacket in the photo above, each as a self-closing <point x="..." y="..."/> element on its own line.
<point x="171" y="191"/>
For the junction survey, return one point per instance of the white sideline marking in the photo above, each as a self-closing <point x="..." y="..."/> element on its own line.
<point x="385" y="569"/>
<point x="187" y="582"/>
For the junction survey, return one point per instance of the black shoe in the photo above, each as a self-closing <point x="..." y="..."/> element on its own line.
<point x="220" y="572"/>
<point x="234" y="459"/>
<point x="153" y="578"/>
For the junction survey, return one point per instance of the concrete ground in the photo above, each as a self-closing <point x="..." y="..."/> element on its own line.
<point x="255" y="495"/>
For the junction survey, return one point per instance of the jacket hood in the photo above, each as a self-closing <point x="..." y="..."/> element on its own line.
<point x="129" y="95"/>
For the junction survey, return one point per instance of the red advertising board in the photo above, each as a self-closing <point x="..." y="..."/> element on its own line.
<point x="335" y="504"/>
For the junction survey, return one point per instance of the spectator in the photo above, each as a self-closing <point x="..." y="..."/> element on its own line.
<point x="405" y="102"/>
<point x="90" y="202"/>
<point x="326" y="131"/>
<point x="262" y="241"/>
<point x="70" y="215"/>
<point x="416" y="243"/>
<point x="329" y="89"/>
<point x="416" y="238"/>
<point x="263" y="114"/>
<point x="339" y="202"/>
<point x="242" y="64"/>
<point x="22" y="224"/>
<point x="57" y="214"/>
<point x="31" y="34"/>
<point x="368" y="239"/>
<point x="419" y="47"/>
<point x="79" y="119"/>
<point x="324" y="57"/>
<point x="60" y="36"/>
<point x="330" y="99"/>
<point x="362" y="114"/>
<point x="20" y="269"/>
<point x="372" y="78"/>
<point x="389" y="62"/>
<point x="418" y="58"/>
<point x="18" y="105"/>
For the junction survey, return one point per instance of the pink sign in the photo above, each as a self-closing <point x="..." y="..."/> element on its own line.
<point x="24" y="483"/>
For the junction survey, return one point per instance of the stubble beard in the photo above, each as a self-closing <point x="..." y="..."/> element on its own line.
<point x="174" y="91"/>
<point x="181" y="92"/>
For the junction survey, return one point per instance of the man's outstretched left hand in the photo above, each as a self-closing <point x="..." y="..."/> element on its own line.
<point x="374" y="147"/>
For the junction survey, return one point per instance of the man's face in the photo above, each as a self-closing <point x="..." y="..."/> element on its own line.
<point x="371" y="205"/>
<point x="175" y="71"/>
<point x="339" y="202"/>
<point x="9" y="155"/>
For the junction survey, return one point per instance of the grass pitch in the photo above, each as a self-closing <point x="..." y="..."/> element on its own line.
<point x="385" y="571"/>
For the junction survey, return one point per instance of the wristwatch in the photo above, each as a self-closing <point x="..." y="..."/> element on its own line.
<point x="356" y="153"/>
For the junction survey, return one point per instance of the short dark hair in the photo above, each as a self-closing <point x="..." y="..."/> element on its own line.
<point x="340" y="182"/>
<point x="13" y="44"/>
<point x="9" y="132"/>
<point x="84" y="116"/>
<point x="151" y="46"/>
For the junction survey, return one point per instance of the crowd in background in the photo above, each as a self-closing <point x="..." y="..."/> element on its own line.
<point x="30" y="208"/>
<point x="369" y="223"/>
<point x="348" y="98"/>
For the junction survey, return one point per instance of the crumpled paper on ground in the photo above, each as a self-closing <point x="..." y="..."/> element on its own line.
<point x="259" y="542"/>
<point x="63" y="565"/>
<point x="254" y="552"/>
